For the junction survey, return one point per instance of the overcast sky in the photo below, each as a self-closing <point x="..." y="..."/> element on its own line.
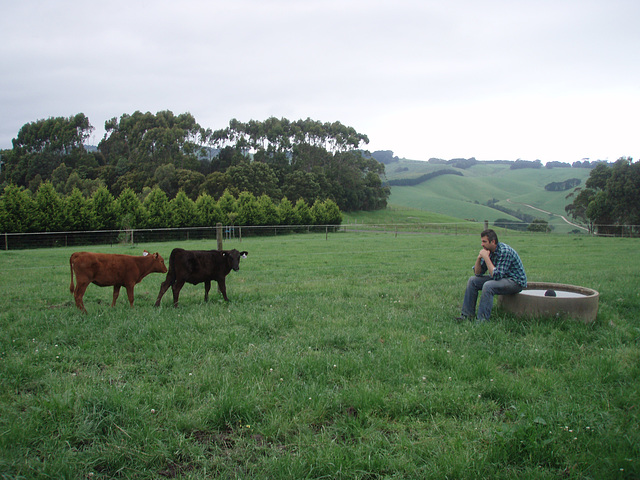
<point x="554" y="80"/>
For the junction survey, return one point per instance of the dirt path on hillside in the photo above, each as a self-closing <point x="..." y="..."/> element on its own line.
<point x="550" y="213"/>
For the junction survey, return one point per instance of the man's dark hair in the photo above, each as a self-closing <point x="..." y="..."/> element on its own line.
<point x="491" y="235"/>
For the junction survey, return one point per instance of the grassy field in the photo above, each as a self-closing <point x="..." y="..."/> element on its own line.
<point x="466" y="196"/>
<point x="337" y="357"/>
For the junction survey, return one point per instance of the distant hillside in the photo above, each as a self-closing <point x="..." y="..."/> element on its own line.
<point x="397" y="168"/>
<point x="484" y="190"/>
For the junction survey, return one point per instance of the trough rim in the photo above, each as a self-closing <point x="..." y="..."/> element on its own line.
<point x="587" y="292"/>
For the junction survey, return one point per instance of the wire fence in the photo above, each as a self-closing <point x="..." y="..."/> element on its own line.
<point x="20" y="241"/>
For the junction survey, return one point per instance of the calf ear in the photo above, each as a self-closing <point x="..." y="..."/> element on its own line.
<point x="145" y="253"/>
<point x="244" y="254"/>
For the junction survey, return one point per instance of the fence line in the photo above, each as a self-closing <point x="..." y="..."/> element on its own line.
<point x="16" y="241"/>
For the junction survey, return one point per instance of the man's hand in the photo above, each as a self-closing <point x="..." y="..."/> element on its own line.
<point x="484" y="254"/>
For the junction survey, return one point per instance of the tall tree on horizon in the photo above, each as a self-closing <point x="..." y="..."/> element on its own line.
<point x="610" y="201"/>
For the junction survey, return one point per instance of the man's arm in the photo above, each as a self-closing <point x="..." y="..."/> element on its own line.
<point x="484" y="255"/>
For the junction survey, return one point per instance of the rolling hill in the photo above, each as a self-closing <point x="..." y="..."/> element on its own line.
<point x="466" y="196"/>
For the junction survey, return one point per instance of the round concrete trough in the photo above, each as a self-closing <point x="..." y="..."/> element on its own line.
<point x="552" y="299"/>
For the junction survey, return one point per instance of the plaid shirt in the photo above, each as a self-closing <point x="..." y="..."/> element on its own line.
<point x="508" y="265"/>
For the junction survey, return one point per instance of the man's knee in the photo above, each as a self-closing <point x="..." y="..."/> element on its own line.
<point x="476" y="282"/>
<point x="490" y="287"/>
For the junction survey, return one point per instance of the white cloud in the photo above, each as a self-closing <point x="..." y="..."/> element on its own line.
<point x="497" y="79"/>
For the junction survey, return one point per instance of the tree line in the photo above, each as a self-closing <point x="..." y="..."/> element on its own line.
<point x="609" y="203"/>
<point x="47" y="211"/>
<point x="296" y="160"/>
<point x="409" y="182"/>
<point x="513" y="164"/>
<point x="562" y="186"/>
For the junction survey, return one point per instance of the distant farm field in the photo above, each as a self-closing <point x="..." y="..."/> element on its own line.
<point x="337" y="357"/>
<point x="466" y="196"/>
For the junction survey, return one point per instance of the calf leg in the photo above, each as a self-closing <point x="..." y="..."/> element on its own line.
<point x="116" y="292"/>
<point x="223" y="289"/>
<point x="163" y="288"/>
<point x="176" y="291"/>
<point x="130" y="294"/>
<point x="207" y="287"/>
<point x="78" y="293"/>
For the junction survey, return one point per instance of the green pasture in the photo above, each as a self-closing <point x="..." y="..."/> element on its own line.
<point x="407" y="220"/>
<point x="337" y="357"/>
<point x="466" y="196"/>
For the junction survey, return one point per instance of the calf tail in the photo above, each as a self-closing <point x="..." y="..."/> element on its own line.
<point x="171" y="273"/>
<point x="71" y="287"/>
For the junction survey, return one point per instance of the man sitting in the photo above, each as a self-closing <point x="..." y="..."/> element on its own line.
<point x="505" y="277"/>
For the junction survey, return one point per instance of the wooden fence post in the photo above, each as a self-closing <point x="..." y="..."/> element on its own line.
<point x="219" y="235"/>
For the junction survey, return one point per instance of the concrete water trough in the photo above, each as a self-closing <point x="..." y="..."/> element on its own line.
<point x="552" y="299"/>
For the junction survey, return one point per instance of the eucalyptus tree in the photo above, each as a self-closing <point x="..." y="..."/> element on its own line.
<point x="215" y="184"/>
<point x="166" y="179"/>
<point x="301" y="184"/>
<point x="149" y="140"/>
<point x="578" y="207"/>
<point x="87" y="186"/>
<point x="60" y="176"/>
<point x="623" y="191"/>
<point x="41" y="146"/>
<point x="610" y="201"/>
<point x="256" y="177"/>
<point x="190" y="182"/>
<point x="58" y="136"/>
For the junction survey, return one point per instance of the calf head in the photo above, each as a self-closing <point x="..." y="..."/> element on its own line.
<point x="233" y="258"/>
<point x="158" y="262"/>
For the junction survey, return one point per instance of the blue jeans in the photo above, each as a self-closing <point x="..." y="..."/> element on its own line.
<point x="489" y="287"/>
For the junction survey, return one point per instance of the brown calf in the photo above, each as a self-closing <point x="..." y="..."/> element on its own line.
<point x="110" y="269"/>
